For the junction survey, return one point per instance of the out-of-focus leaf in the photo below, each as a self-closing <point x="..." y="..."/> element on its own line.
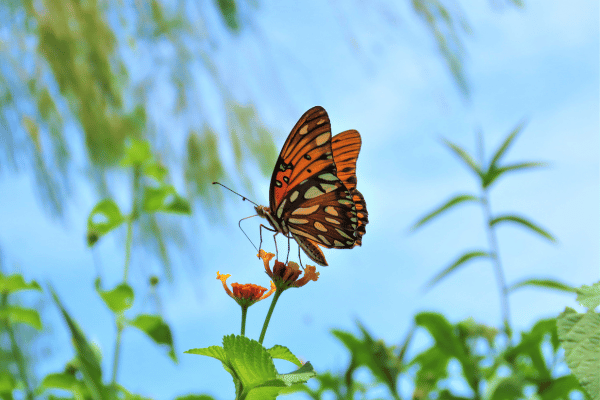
<point x="156" y="171"/>
<point x="509" y="388"/>
<point x="165" y="199"/>
<point x="494" y="173"/>
<point x="195" y="397"/>
<point x="456" y="264"/>
<point x="505" y="145"/>
<point x="28" y="316"/>
<point x="465" y="157"/>
<point x="579" y="335"/>
<point x="137" y="153"/>
<point x="530" y="345"/>
<point x="104" y="217"/>
<point x="157" y="329"/>
<point x="61" y="380"/>
<point x="118" y="299"/>
<point x="229" y="13"/>
<point x="15" y="283"/>
<point x="543" y="283"/>
<point x="559" y="388"/>
<point x="204" y="165"/>
<point x="461" y="198"/>
<point x="589" y="296"/>
<point x="523" y="222"/>
<point x="7" y="382"/>
<point x="88" y="362"/>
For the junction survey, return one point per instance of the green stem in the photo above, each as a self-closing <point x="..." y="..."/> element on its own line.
<point x="500" y="279"/>
<point x="116" y="354"/>
<point x="268" y="318"/>
<point x="132" y="217"/>
<point x="244" y="312"/>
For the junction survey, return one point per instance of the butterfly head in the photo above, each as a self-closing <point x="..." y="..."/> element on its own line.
<point x="262" y="211"/>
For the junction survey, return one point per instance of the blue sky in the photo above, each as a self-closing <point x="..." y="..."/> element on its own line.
<point x="539" y="64"/>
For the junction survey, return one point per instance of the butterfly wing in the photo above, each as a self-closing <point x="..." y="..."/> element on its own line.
<point x="345" y="147"/>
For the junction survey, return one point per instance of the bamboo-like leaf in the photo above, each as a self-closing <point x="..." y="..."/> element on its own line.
<point x="456" y="264"/>
<point x="523" y="222"/>
<point x="506" y="144"/>
<point x="461" y="198"/>
<point x="543" y="283"/>
<point x="494" y="173"/>
<point x="465" y="157"/>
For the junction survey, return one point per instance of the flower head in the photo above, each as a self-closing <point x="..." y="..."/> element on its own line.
<point x="245" y="294"/>
<point x="287" y="275"/>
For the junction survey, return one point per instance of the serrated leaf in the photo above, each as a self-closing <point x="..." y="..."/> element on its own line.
<point x="104" y="217"/>
<point x="589" y="296"/>
<point x="118" y="299"/>
<point x="62" y="380"/>
<point x="465" y="157"/>
<point x="157" y="329"/>
<point x="494" y="173"/>
<point x="456" y="264"/>
<point x="301" y="375"/>
<point x="579" y="335"/>
<point x="523" y="222"/>
<point x="250" y="361"/>
<point x="15" y="283"/>
<point x="88" y="362"/>
<point x="283" y="353"/>
<point x="461" y="198"/>
<point x="28" y="316"/>
<point x="506" y="144"/>
<point x="543" y="283"/>
<point x="213" y="351"/>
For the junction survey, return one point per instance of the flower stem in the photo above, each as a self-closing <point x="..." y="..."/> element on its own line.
<point x="268" y="318"/>
<point x="244" y="312"/>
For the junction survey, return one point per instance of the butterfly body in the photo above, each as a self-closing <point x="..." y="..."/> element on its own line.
<point x="312" y="196"/>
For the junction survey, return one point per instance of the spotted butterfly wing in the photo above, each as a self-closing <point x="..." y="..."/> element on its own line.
<point x="308" y="197"/>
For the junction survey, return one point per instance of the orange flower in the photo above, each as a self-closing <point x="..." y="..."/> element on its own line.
<point x="245" y="294"/>
<point x="286" y="275"/>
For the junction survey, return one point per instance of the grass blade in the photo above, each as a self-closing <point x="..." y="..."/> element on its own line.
<point x="543" y="283"/>
<point x="523" y="222"/>
<point x="461" y="198"/>
<point x="452" y="267"/>
<point x="463" y="155"/>
<point x="506" y="144"/>
<point x="494" y="173"/>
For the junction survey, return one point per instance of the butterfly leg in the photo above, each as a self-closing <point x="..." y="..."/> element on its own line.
<point x="272" y="230"/>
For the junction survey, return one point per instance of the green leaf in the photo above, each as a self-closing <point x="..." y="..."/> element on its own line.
<point x="509" y="388"/>
<point x="156" y="171"/>
<point x="88" y="362"/>
<point x="104" y="217"/>
<point x="283" y="353"/>
<point x="465" y="157"/>
<point x="137" y="153"/>
<point x="249" y="360"/>
<point x="459" y="262"/>
<point x="62" y="380"/>
<point x="165" y="199"/>
<point x="213" y="351"/>
<point x="579" y="335"/>
<point x="543" y="283"/>
<point x="494" y="173"/>
<point x="7" y="382"/>
<point x="559" y="388"/>
<point x="157" y="330"/>
<point x="118" y="299"/>
<point x="195" y="397"/>
<point x="589" y="296"/>
<point x="15" y="283"/>
<point x="523" y="222"/>
<point x="506" y="144"/>
<point x="461" y="198"/>
<point x="229" y="13"/>
<point x="28" y="316"/>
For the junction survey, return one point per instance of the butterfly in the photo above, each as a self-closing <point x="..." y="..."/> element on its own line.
<point x="313" y="197"/>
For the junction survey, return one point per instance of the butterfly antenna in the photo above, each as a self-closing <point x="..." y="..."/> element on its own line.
<point x="244" y="198"/>
<point x="240" y="225"/>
